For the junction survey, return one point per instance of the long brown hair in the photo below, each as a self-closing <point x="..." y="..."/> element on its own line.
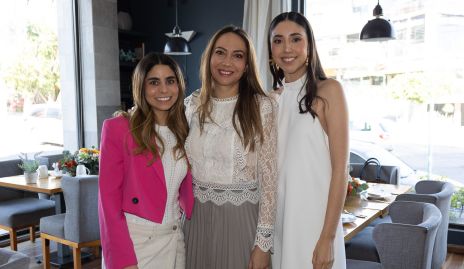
<point x="246" y="109"/>
<point x="314" y="71"/>
<point x="142" y="119"/>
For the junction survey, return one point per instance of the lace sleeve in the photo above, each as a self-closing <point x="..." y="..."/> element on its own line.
<point x="267" y="174"/>
<point x="190" y="107"/>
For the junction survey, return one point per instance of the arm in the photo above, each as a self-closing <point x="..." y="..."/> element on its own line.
<point x="117" y="246"/>
<point x="267" y="175"/>
<point x="334" y="119"/>
<point x="190" y="103"/>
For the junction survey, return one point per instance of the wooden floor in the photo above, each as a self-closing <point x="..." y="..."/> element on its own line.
<point x="33" y="250"/>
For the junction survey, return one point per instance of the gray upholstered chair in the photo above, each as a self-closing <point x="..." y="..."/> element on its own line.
<point x="78" y="227"/>
<point x="438" y="193"/>
<point x="13" y="260"/>
<point x="407" y="242"/>
<point x="21" y="209"/>
<point x="362" y="247"/>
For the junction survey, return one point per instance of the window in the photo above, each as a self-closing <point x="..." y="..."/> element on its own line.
<point x="30" y="99"/>
<point x="390" y="85"/>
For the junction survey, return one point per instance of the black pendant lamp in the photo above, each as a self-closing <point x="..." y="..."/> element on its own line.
<point x="377" y="29"/>
<point x="177" y="45"/>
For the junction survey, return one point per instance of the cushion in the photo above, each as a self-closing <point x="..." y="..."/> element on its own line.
<point x="25" y="211"/>
<point x="53" y="225"/>
<point x="362" y="246"/>
<point x="357" y="264"/>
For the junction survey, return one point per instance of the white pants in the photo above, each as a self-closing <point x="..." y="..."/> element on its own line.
<point x="156" y="245"/>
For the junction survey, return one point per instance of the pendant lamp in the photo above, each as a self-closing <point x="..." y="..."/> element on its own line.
<point x="377" y="29"/>
<point x="176" y="44"/>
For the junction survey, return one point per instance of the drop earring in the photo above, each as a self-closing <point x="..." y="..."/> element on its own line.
<point x="307" y="61"/>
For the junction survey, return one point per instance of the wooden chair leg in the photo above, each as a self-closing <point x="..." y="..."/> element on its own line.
<point x="77" y="258"/>
<point x="46" y="253"/>
<point x="13" y="239"/>
<point x="32" y="233"/>
<point x="96" y="251"/>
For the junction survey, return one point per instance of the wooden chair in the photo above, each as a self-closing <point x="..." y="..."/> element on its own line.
<point x="78" y="227"/>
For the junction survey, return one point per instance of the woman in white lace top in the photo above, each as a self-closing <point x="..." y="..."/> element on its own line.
<point x="231" y="147"/>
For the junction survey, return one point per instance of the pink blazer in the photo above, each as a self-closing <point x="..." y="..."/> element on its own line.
<point x="127" y="184"/>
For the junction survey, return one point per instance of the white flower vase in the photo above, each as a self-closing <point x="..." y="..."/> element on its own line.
<point x="31" y="177"/>
<point x="124" y="21"/>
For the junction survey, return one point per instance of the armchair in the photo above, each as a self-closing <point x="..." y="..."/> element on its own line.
<point x="407" y="242"/>
<point x="13" y="260"/>
<point x="437" y="193"/>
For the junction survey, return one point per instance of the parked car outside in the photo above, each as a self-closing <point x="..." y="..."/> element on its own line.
<point x="45" y="123"/>
<point x="378" y="131"/>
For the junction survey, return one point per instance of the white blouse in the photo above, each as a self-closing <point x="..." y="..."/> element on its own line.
<point x="174" y="173"/>
<point x="224" y="171"/>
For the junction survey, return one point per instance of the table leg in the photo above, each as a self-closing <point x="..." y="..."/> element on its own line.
<point x="63" y="252"/>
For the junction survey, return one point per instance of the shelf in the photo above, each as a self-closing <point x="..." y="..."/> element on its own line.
<point x="127" y="65"/>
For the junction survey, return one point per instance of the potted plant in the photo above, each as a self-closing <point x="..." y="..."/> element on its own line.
<point x="29" y="167"/>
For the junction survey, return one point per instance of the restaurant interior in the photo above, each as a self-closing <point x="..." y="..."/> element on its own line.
<point x="392" y="218"/>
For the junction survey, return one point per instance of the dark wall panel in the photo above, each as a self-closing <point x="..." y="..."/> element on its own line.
<point x="156" y="17"/>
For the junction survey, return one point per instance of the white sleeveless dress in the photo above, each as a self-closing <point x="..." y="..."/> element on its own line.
<point x="304" y="174"/>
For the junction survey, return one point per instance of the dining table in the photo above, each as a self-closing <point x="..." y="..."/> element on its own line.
<point x="364" y="211"/>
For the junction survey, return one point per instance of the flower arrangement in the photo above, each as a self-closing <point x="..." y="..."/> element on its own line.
<point x="356" y="186"/>
<point x="29" y="165"/>
<point x="90" y="158"/>
<point x="67" y="164"/>
<point x="86" y="156"/>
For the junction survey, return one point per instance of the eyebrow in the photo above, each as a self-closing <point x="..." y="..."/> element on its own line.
<point x="226" y="49"/>
<point x="292" y="34"/>
<point x="157" y="78"/>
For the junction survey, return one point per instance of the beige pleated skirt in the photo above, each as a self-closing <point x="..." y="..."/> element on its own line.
<point x="220" y="236"/>
<point x="156" y="245"/>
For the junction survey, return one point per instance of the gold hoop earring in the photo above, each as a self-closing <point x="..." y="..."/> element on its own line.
<point x="272" y="63"/>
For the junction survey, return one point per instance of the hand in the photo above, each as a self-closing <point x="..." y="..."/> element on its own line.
<point x="323" y="255"/>
<point x="131" y="267"/>
<point x="259" y="259"/>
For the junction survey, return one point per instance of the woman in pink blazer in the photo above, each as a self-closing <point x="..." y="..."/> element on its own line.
<point x="145" y="183"/>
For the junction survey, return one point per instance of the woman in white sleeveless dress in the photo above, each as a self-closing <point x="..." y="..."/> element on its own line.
<point x="312" y="150"/>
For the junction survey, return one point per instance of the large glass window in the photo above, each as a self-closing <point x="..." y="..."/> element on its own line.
<point x="30" y="105"/>
<point x="405" y="96"/>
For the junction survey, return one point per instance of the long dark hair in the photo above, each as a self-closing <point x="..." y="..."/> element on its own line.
<point x="142" y="119"/>
<point x="247" y="107"/>
<point x="314" y="71"/>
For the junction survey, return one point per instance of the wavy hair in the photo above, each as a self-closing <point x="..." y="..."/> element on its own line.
<point x="314" y="71"/>
<point x="246" y="110"/>
<point x="142" y="119"/>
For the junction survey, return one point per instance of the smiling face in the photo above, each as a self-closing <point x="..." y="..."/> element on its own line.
<point x="289" y="48"/>
<point x="161" y="91"/>
<point x="228" y="63"/>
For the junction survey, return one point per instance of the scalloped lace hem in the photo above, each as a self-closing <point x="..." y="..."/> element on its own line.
<point x="219" y="194"/>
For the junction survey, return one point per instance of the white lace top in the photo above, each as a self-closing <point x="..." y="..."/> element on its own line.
<point x="224" y="171"/>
